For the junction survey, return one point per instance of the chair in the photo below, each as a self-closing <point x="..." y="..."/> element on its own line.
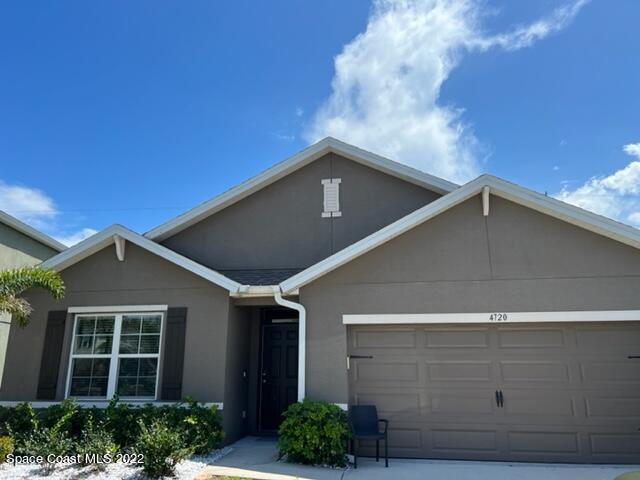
<point x="365" y="425"/>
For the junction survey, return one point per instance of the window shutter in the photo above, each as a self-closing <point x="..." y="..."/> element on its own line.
<point x="51" y="353"/>
<point x="173" y="359"/>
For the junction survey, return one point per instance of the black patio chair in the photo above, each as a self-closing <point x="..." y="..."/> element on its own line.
<point x="365" y="425"/>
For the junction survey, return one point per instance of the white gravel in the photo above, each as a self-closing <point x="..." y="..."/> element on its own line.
<point x="185" y="470"/>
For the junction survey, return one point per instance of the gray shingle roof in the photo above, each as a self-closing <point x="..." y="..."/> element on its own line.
<point x="269" y="276"/>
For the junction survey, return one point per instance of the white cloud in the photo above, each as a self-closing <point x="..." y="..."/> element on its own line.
<point x="28" y="204"/>
<point x="387" y="82"/>
<point x="76" y="237"/>
<point x="37" y="209"/>
<point x="616" y="195"/>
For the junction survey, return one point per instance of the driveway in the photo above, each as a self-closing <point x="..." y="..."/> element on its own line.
<point x="257" y="458"/>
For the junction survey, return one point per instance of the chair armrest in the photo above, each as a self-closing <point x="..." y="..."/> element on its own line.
<point x="386" y="424"/>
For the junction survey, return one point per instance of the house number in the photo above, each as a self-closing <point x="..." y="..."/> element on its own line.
<point x="498" y="317"/>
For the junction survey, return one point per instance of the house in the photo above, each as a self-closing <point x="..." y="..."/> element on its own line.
<point x="20" y="246"/>
<point x="485" y="321"/>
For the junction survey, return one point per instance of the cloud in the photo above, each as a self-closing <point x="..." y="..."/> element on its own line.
<point x="37" y="209"/>
<point x="616" y="195"/>
<point x="387" y="82"/>
<point x="76" y="237"/>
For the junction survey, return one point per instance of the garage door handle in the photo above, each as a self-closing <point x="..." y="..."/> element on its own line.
<point x="631" y="357"/>
<point x="501" y="399"/>
<point x="497" y="399"/>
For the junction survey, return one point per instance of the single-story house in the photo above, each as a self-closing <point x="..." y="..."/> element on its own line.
<point x="485" y="321"/>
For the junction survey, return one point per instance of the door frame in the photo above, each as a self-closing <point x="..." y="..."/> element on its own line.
<point x="269" y="316"/>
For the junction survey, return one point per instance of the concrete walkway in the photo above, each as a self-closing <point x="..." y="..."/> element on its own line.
<point x="257" y="458"/>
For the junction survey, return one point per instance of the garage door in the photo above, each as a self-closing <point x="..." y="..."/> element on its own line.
<point x="534" y="392"/>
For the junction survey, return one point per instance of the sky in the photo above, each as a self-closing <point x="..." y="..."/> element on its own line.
<point x="132" y="112"/>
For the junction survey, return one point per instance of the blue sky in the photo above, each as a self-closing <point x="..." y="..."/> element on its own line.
<point x="132" y="112"/>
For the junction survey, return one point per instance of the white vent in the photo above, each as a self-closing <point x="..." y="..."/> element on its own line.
<point x="331" y="204"/>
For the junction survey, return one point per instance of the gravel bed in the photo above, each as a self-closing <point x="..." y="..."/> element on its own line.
<point x="185" y="470"/>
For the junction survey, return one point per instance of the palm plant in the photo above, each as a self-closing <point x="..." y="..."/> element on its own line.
<point x="16" y="281"/>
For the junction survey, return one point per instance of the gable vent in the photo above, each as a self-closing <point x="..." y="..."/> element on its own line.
<point x="331" y="203"/>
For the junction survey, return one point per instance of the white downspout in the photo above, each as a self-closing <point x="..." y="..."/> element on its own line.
<point x="302" y="337"/>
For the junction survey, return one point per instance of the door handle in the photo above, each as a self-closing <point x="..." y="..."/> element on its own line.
<point x="497" y="399"/>
<point x="501" y="398"/>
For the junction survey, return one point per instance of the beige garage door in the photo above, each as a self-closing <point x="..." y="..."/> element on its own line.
<point x="570" y="392"/>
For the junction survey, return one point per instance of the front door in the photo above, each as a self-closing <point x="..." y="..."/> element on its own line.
<point x="279" y="373"/>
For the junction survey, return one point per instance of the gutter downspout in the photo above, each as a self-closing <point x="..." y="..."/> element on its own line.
<point x="302" y="337"/>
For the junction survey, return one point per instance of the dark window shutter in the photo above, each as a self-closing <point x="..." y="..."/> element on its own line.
<point x="173" y="360"/>
<point x="51" y="353"/>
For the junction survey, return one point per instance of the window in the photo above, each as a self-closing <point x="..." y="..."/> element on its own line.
<point x="115" y="354"/>
<point x="331" y="204"/>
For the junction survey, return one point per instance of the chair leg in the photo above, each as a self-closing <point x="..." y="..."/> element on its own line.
<point x="386" y="451"/>
<point x="377" y="450"/>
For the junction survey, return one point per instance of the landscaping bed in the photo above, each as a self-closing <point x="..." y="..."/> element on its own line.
<point x="119" y="441"/>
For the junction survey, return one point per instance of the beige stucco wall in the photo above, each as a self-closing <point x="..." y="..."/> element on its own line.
<point x="142" y="279"/>
<point x="286" y="218"/>
<point x="515" y="259"/>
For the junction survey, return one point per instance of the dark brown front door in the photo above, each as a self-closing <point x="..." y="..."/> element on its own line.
<point x="279" y="373"/>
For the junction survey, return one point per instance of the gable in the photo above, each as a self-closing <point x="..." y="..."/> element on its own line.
<point x="514" y="244"/>
<point x="281" y="226"/>
<point x="290" y="165"/>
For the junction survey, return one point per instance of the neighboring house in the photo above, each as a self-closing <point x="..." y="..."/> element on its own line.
<point x="485" y="321"/>
<point x="20" y="246"/>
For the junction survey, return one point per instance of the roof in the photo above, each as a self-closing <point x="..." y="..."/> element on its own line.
<point x="31" y="232"/>
<point x="109" y="235"/>
<point x="509" y="191"/>
<point x="271" y="276"/>
<point x="290" y="165"/>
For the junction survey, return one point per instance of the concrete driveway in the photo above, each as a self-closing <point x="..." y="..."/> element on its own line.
<point x="257" y="458"/>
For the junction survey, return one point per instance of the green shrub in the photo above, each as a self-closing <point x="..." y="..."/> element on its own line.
<point x="6" y="447"/>
<point x="161" y="447"/>
<point x="95" y="441"/>
<point x="200" y="426"/>
<point x="21" y="422"/>
<point x="314" y="433"/>
<point x="54" y="441"/>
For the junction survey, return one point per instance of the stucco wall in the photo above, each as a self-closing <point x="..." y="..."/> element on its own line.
<point x="514" y="260"/>
<point x="284" y="219"/>
<point x="20" y="250"/>
<point x="17" y="250"/>
<point x="142" y="279"/>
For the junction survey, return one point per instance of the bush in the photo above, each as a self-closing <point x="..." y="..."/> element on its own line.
<point x="95" y="441"/>
<point x="314" y="433"/>
<point x="161" y="447"/>
<point x="6" y="447"/>
<point x="21" y="423"/>
<point x="54" y="440"/>
<point x="200" y="426"/>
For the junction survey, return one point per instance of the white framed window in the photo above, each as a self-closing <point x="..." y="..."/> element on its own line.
<point x="116" y="353"/>
<point x="331" y="204"/>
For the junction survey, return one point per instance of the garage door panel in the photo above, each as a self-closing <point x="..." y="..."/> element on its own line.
<point x="613" y="338"/>
<point x="526" y="338"/>
<point x="388" y="338"/>
<point x="463" y="404"/>
<point x="615" y="444"/>
<point x="534" y="371"/>
<point x="537" y="443"/>
<point x="538" y="404"/>
<point x="464" y="440"/>
<point x="457" y="338"/>
<point x="615" y="407"/>
<point x="459" y="371"/>
<point x="375" y="372"/>
<point x="611" y="372"/>
<point x="398" y="403"/>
